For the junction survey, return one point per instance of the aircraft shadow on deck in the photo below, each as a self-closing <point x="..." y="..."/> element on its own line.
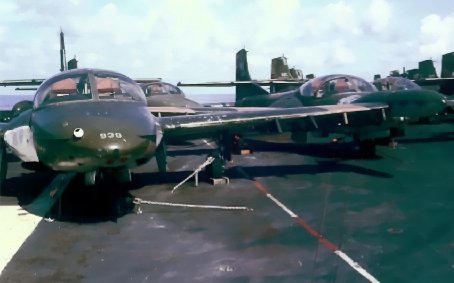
<point x="147" y="179"/>
<point x="438" y="137"/>
<point x="308" y="169"/>
<point x="110" y="200"/>
<point x="324" y="150"/>
<point x="106" y="201"/>
<point x="189" y="152"/>
<point x="340" y="150"/>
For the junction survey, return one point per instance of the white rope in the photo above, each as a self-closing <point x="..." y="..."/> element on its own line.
<point x="141" y="201"/>
<point x="200" y="168"/>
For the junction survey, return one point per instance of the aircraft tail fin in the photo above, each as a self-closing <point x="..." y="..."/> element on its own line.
<point x="447" y="73"/>
<point x="242" y="69"/>
<point x="242" y="75"/>
<point x="279" y="68"/>
<point x="447" y="65"/>
<point x="281" y="71"/>
<point x="427" y="69"/>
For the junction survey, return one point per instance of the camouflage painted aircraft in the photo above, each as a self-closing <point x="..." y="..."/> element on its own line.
<point x="426" y="75"/>
<point x="165" y="94"/>
<point x="96" y="122"/>
<point x="158" y="94"/>
<point x="340" y="89"/>
<point x="282" y="78"/>
<point x="401" y="84"/>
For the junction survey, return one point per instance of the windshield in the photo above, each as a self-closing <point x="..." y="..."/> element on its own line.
<point x="396" y="83"/>
<point x="87" y="84"/>
<point x="68" y="88"/>
<point x="160" y="88"/>
<point x="335" y="84"/>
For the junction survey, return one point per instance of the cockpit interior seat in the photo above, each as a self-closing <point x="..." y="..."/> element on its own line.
<point x="342" y="86"/>
<point x="108" y="85"/>
<point x="66" y="86"/>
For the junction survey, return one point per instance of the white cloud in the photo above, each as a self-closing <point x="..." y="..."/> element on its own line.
<point x="7" y="8"/>
<point x="377" y="17"/>
<point x="436" y="35"/>
<point x="197" y="40"/>
<point x="343" y="17"/>
<point x="342" y="54"/>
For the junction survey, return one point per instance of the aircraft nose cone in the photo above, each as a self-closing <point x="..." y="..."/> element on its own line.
<point x="106" y="134"/>
<point x="416" y="103"/>
<point x="435" y="103"/>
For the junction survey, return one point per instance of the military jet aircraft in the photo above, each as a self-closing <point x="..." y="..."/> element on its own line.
<point x="341" y="89"/>
<point x="165" y="99"/>
<point x="396" y="84"/>
<point x="282" y="78"/>
<point x="401" y="84"/>
<point x="426" y="75"/>
<point x="158" y="94"/>
<point x="93" y="121"/>
<point x="161" y="94"/>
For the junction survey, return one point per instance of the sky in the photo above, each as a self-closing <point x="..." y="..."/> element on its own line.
<point x="196" y="41"/>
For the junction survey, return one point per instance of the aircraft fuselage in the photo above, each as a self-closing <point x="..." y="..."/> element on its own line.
<point x="406" y="103"/>
<point x="86" y="135"/>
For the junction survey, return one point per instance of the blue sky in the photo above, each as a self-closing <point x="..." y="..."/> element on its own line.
<point x="196" y="41"/>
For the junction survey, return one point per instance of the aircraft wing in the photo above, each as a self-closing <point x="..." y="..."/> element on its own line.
<point x="432" y="81"/>
<point x="25" y="82"/>
<point x="170" y="110"/>
<point x="205" y="125"/>
<point x="235" y="83"/>
<point x="37" y="82"/>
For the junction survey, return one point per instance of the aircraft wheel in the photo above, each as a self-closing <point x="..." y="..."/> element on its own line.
<point x="3" y="164"/>
<point x="161" y="157"/>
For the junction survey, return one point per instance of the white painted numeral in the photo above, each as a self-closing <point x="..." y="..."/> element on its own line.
<point x="104" y="136"/>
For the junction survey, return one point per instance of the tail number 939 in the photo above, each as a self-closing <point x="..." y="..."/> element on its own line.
<point x="104" y="136"/>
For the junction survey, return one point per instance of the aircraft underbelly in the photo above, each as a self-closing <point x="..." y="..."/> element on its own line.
<point x="71" y="156"/>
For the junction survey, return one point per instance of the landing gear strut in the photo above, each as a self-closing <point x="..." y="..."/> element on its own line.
<point x="161" y="157"/>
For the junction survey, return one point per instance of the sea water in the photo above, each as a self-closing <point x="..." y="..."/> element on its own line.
<point x="7" y="101"/>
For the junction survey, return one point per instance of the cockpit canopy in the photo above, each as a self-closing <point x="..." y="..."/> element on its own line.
<point x="159" y="88"/>
<point x="334" y="84"/>
<point x="396" y="83"/>
<point x="88" y="84"/>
